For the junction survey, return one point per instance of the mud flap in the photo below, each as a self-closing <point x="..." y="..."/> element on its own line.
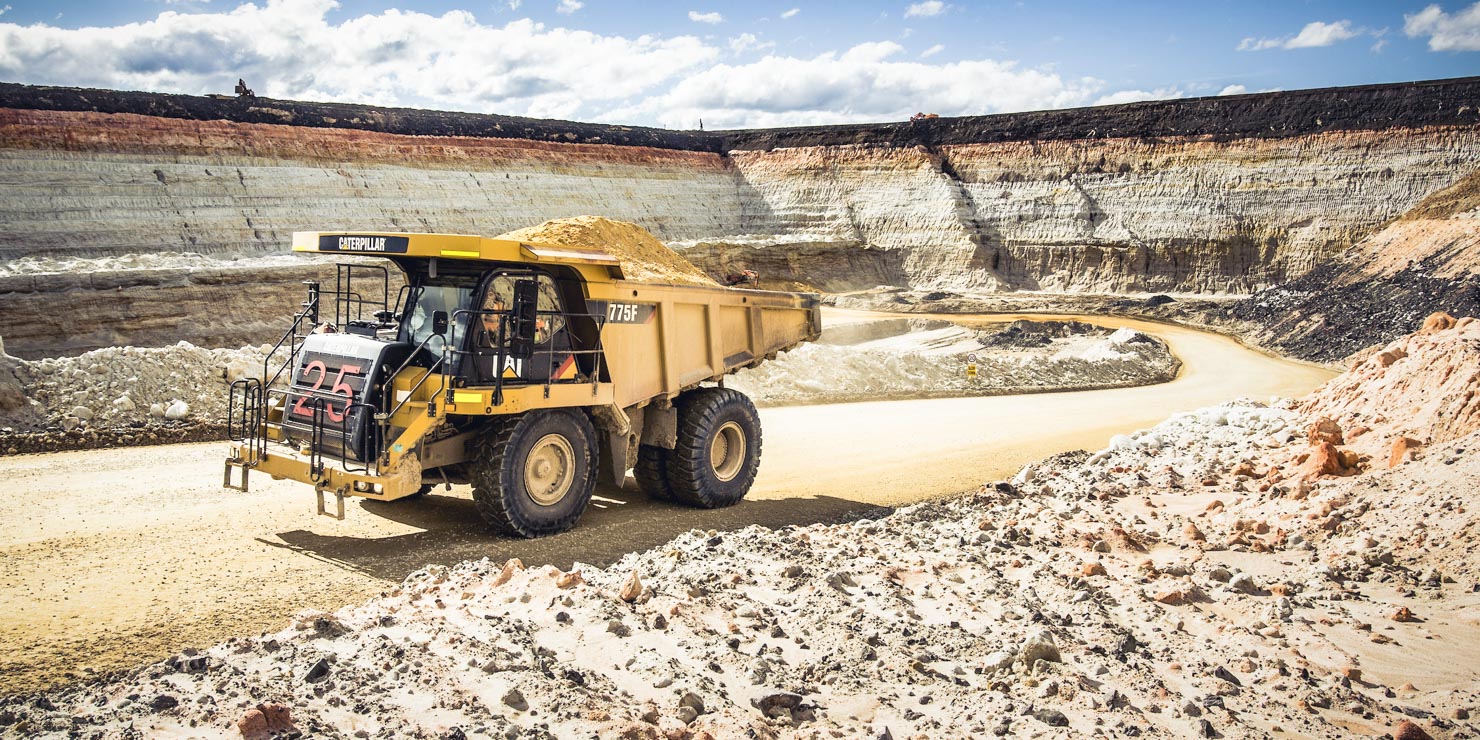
<point x="615" y="460"/>
<point x="660" y="426"/>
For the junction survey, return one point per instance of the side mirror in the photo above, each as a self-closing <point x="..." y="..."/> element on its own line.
<point x="439" y="323"/>
<point x="526" y="312"/>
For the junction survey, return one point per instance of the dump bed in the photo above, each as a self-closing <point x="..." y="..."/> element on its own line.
<point x="661" y="339"/>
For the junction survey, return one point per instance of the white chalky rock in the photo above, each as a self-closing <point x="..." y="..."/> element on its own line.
<point x="124" y="403"/>
<point x="156" y="410"/>
<point x="177" y="410"/>
<point x="82" y="412"/>
<point x="998" y="662"/>
<point x="1038" y="646"/>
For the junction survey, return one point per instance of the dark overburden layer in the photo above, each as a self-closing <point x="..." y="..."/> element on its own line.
<point x="1262" y="115"/>
<point x="1321" y="317"/>
<point x="407" y="121"/>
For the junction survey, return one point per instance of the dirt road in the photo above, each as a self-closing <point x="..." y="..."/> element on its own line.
<point x="113" y="558"/>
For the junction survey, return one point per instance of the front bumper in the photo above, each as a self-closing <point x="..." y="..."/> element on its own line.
<point x="328" y="477"/>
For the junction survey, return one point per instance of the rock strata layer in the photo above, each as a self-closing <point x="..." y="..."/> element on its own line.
<point x="1208" y="196"/>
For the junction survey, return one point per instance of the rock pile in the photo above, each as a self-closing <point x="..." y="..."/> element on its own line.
<point x="100" y="395"/>
<point x="934" y="363"/>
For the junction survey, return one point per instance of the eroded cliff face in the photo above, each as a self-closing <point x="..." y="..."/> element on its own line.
<point x="95" y="184"/>
<point x="1427" y="260"/>
<point x="1229" y="195"/>
<point x="1181" y="215"/>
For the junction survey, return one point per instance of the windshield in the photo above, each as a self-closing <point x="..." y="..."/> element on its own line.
<point x="433" y="298"/>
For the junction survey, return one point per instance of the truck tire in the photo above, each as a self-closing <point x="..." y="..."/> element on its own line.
<point x="533" y="474"/>
<point x="651" y="472"/>
<point x="718" y="450"/>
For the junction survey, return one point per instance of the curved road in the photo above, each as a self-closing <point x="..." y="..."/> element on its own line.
<point x="113" y="558"/>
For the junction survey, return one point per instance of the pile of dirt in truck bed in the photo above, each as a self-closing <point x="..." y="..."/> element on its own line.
<point x="642" y="256"/>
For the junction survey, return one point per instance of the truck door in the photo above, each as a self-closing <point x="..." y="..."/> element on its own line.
<point x="552" y="360"/>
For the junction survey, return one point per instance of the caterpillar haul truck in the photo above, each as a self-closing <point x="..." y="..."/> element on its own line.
<point x="526" y="370"/>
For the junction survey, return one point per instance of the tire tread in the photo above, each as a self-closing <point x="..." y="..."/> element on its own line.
<point x="492" y="479"/>
<point x="688" y="464"/>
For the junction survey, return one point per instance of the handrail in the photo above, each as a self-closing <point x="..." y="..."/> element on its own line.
<point x="501" y="350"/>
<point x="389" y="377"/>
<point x="372" y="443"/>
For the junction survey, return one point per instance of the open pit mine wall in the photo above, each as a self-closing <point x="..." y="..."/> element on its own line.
<point x="1209" y="195"/>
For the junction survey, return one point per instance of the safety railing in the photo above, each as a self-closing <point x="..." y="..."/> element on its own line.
<point x="249" y="400"/>
<point x="500" y="341"/>
<point x="349" y="303"/>
<point x="245" y="416"/>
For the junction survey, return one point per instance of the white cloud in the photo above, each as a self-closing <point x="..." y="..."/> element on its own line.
<point x="711" y="18"/>
<point x="932" y="51"/>
<point x="747" y="41"/>
<point x="1317" y="34"/>
<point x="514" y="4"/>
<point x="1314" y="34"/>
<point x="5" y="10"/>
<point x="569" y="6"/>
<point x="925" y="9"/>
<point x="295" y="49"/>
<point x="1379" y="46"/>
<point x="1458" y="32"/>
<point x="289" y="49"/>
<point x="791" y="13"/>
<point x="1136" y="96"/>
<point x="1233" y="90"/>
<point x="864" y="83"/>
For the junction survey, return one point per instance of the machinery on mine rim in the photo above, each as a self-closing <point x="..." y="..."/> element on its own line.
<point x="527" y="370"/>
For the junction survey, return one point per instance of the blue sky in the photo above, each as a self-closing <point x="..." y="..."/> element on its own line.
<point x="762" y="63"/>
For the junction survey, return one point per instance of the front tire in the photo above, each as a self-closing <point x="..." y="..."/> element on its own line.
<point x="534" y="473"/>
<point x="718" y="451"/>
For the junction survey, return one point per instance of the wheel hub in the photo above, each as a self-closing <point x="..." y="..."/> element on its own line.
<point x="727" y="451"/>
<point x="549" y="470"/>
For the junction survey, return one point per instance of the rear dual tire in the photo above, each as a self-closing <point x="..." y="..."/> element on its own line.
<point x="717" y="454"/>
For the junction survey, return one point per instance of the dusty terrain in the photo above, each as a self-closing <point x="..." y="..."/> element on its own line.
<point x="1242" y="570"/>
<point x="1251" y="568"/>
<point x="128" y="555"/>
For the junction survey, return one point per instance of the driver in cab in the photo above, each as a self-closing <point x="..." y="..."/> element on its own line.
<point x="496" y="304"/>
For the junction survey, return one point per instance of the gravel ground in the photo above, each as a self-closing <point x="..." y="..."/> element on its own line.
<point x="1212" y="576"/>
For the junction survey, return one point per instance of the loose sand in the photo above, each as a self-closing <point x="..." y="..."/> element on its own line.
<point x="640" y="253"/>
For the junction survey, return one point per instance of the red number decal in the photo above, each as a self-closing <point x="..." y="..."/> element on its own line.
<point x="339" y="387"/>
<point x="298" y="407"/>
<point x="349" y="393"/>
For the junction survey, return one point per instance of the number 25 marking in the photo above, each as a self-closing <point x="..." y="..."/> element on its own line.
<point x="348" y="392"/>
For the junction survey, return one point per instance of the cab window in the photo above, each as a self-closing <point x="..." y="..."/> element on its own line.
<point x="433" y="298"/>
<point x="499" y="299"/>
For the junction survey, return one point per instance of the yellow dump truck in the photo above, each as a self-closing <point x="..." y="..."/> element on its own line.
<point x="526" y="370"/>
